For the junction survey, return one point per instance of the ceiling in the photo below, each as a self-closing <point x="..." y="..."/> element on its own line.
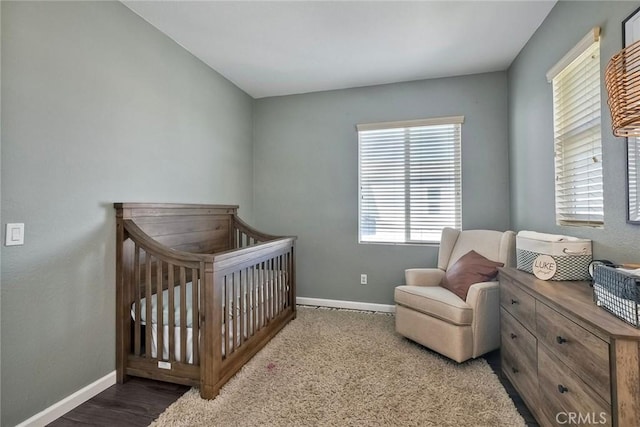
<point x="271" y="48"/>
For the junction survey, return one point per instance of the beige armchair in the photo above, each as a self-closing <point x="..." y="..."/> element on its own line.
<point x="441" y="320"/>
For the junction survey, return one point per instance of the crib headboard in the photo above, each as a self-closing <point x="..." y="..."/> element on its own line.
<point x="203" y="229"/>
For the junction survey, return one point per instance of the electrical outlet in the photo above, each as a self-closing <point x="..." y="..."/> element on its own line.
<point x="363" y="279"/>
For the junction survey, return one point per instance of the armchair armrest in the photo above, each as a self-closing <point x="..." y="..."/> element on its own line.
<point x="423" y="276"/>
<point x="484" y="298"/>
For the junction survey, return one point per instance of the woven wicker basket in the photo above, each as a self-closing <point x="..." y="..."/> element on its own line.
<point x="622" y="79"/>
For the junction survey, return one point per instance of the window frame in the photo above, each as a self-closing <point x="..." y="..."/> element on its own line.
<point x="406" y="126"/>
<point x="578" y="184"/>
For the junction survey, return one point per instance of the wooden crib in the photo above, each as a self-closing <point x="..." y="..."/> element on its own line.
<point x="198" y="292"/>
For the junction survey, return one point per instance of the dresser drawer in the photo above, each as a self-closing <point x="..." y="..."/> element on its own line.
<point x="563" y="394"/>
<point x="583" y="352"/>
<point x="519" y="358"/>
<point x="517" y="302"/>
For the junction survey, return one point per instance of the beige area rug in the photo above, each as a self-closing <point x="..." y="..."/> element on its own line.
<point x="345" y="368"/>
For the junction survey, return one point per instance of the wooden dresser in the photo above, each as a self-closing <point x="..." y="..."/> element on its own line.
<point x="572" y="362"/>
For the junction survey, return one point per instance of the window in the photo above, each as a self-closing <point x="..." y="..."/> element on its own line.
<point x="577" y="134"/>
<point x="410" y="180"/>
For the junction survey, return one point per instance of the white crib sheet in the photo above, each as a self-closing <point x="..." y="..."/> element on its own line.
<point x="165" y="307"/>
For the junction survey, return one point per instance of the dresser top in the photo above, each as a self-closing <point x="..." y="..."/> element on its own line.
<point x="574" y="298"/>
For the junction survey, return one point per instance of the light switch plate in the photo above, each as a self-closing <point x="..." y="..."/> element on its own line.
<point x="14" y="235"/>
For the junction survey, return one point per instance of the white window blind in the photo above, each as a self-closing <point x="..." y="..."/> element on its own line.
<point x="577" y="134"/>
<point x="410" y="180"/>
<point x="633" y="175"/>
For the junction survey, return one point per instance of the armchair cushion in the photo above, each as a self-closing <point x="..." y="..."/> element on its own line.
<point x="436" y="302"/>
<point x="469" y="269"/>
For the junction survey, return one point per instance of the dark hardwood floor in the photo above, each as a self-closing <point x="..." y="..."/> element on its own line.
<point x="139" y="401"/>
<point x="135" y="403"/>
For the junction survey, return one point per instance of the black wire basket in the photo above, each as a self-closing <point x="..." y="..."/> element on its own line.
<point x="618" y="292"/>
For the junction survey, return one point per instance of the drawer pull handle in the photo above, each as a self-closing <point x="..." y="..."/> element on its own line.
<point x="560" y="340"/>
<point x="562" y="389"/>
<point x="513" y="301"/>
<point x="513" y="336"/>
<point x="515" y="371"/>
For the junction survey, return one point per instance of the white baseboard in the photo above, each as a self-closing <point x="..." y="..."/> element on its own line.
<point x="57" y="410"/>
<point x="353" y="305"/>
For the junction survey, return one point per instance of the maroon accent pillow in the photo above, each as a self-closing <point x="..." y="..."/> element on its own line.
<point x="469" y="269"/>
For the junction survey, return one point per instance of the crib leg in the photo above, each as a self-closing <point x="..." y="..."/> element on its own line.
<point x="120" y="376"/>
<point x="208" y="391"/>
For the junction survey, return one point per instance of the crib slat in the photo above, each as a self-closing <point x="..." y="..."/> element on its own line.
<point x="234" y="305"/>
<point x="243" y="314"/>
<point x="267" y="297"/>
<point x="270" y="286"/>
<point x="267" y="288"/>
<point x="290" y="279"/>
<point x="195" y="291"/>
<point x="136" y="289"/>
<point x="254" y="302"/>
<point x="234" y="309"/>
<point x="263" y="295"/>
<point x="262" y="299"/>
<point x="183" y="315"/>
<point x="287" y="279"/>
<point x="254" y="298"/>
<point x="276" y="274"/>
<point x="272" y="302"/>
<point x="226" y="317"/>
<point x="267" y="284"/>
<point x="284" y="274"/>
<point x="160" y="311"/>
<point x="276" y="288"/>
<point x="283" y="281"/>
<point x="237" y="295"/>
<point x="279" y="282"/>
<point x="172" y="312"/>
<point x="148" y="307"/>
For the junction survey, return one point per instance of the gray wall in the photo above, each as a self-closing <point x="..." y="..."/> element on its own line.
<point x="306" y="175"/>
<point x="531" y="129"/>
<point x="97" y="107"/>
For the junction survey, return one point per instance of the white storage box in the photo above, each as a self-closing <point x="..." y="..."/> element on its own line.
<point x="552" y="256"/>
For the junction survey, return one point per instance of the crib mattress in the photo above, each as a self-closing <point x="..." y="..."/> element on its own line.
<point x="165" y="307"/>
